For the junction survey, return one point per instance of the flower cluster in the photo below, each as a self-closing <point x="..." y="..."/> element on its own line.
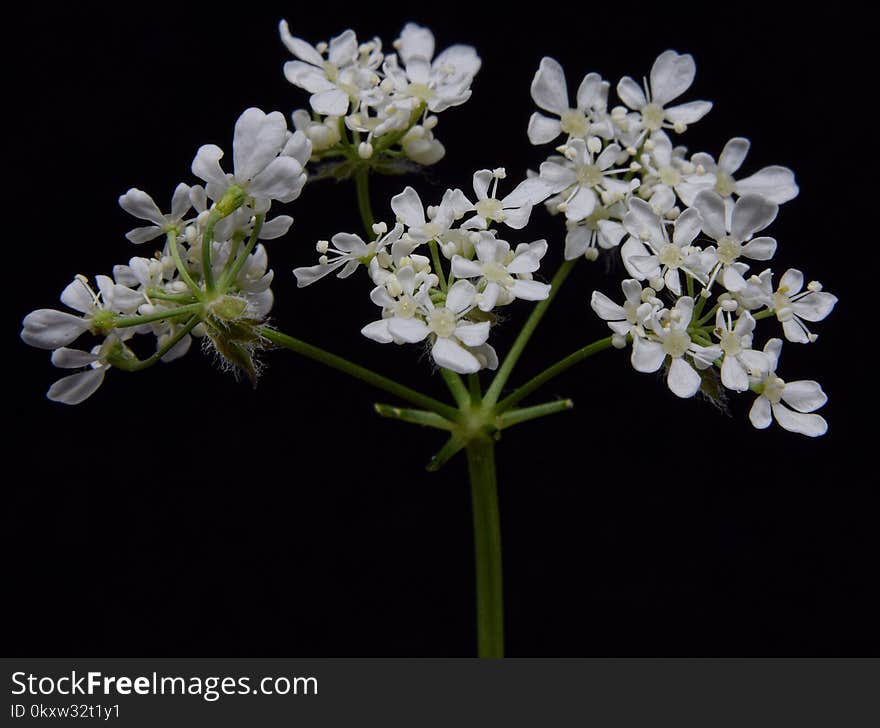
<point x="450" y="306"/>
<point x="389" y="102"/>
<point x="687" y="231"/>
<point x="210" y="280"/>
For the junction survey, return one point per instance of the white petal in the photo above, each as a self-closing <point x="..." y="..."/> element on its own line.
<point x="460" y="296"/>
<point x="77" y="387"/>
<point x="733" y="375"/>
<point x="804" y="395"/>
<point x="688" y="113"/>
<point x="542" y="129"/>
<point x="751" y="214"/>
<point x="257" y="140"/>
<point x="774" y="183"/>
<point x="331" y="102"/>
<point x="65" y="358"/>
<point x="671" y="75"/>
<point x="472" y="334"/>
<point x="77" y="296"/>
<point x="206" y="165"/>
<point x="138" y="203"/>
<point x="464" y="268"/>
<point x="760" y="248"/>
<point x="687" y="227"/>
<point x="415" y="40"/>
<point x="489" y="297"/>
<point x="814" y="306"/>
<point x="181" y="201"/>
<point x="631" y="93"/>
<point x="647" y="356"/>
<point x="592" y="93"/>
<point x="792" y="280"/>
<point x="343" y="49"/>
<point x="409" y="208"/>
<point x="733" y="155"/>
<point x="280" y="180"/>
<point x="410" y="330"/>
<point x="549" y="88"/>
<point x="47" y="328"/>
<point x="299" y="47"/>
<point x="581" y="206"/>
<point x="759" y="414"/>
<point x="711" y="207"/>
<point x="307" y="276"/>
<point x="577" y="241"/>
<point x="683" y="379"/>
<point x="530" y="290"/>
<point x="276" y="227"/>
<point x="378" y="331"/>
<point x="450" y="355"/>
<point x="802" y="424"/>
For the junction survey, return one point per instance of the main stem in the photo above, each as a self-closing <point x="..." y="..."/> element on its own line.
<point x="487" y="547"/>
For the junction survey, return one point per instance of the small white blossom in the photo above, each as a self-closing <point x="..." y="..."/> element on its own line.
<point x="141" y="205"/>
<point x="349" y="252"/>
<point x="671" y="75"/>
<point x="802" y="397"/>
<point x="739" y="359"/>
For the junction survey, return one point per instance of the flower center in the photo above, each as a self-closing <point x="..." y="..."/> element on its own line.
<point x="421" y="91"/>
<point x="630" y="310"/>
<point x="730" y="343"/>
<point x="725" y="185"/>
<point x="442" y="322"/>
<point x="405" y="307"/>
<point x="670" y="176"/>
<point x="330" y="71"/>
<point x="670" y="256"/>
<point x="574" y="123"/>
<point x="728" y="250"/>
<point x="589" y="175"/>
<point x="599" y="213"/>
<point x="773" y="388"/>
<point x="782" y="305"/>
<point x="652" y="117"/>
<point x="490" y="208"/>
<point x="676" y="343"/>
<point x="497" y="273"/>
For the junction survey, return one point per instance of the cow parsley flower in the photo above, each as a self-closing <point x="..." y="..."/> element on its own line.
<point x="803" y="397"/>
<point x="141" y="205"/>
<point x="671" y="75"/>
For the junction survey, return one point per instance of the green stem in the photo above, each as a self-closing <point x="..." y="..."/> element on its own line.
<point x="415" y="417"/>
<point x="230" y="275"/>
<point x="208" y="250"/>
<point x="518" y="416"/>
<point x="136" y="365"/>
<point x="362" y="183"/>
<point x="358" y="372"/>
<point x="487" y="547"/>
<point x="456" y="387"/>
<point x="474" y="388"/>
<point x="171" y="313"/>
<point x="178" y="261"/>
<point x="552" y="371"/>
<point x="438" y="266"/>
<point x="525" y="334"/>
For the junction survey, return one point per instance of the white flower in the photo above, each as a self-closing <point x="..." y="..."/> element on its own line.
<point x="76" y="388"/>
<point x="671" y="75"/>
<point x="268" y="160"/>
<point x="630" y="318"/>
<point x="349" y="252"/>
<point x="550" y="92"/>
<point x="662" y="263"/>
<point x="514" y="209"/>
<point x="773" y="183"/>
<point x="793" y="305"/>
<point x="734" y="240"/>
<point x="331" y="81"/>
<point x="584" y="178"/>
<point x="415" y="318"/>
<point x="669" y="337"/>
<point x="601" y="228"/>
<point x="51" y="329"/>
<point x="422" y="227"/>
<point x="141" y="205"/>
<point x="666" y="167"/>
<point x="439" y="84"/>
<point x="804" y="397"/>
<point x="323" y="134"/>
<point x="496" y="265"/>
<point x="421" y="147"/>
<point x="739" y="359"/>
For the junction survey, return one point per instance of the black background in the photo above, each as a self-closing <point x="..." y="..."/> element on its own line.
<point x="178" y="512"/>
